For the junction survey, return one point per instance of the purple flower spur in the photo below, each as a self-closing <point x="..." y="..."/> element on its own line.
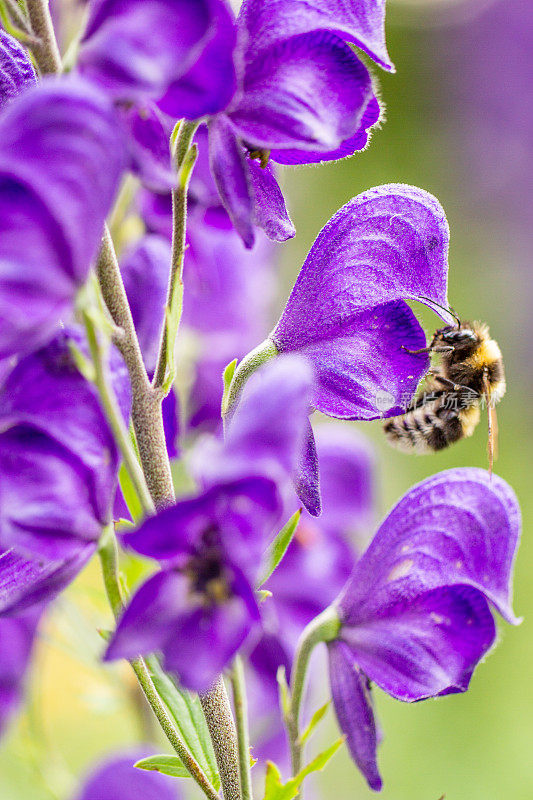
<point x="415" y="616"/>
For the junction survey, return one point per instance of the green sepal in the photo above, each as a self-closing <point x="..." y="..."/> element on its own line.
<point x="284" y="692"/>
<point x="227" y="377"/>
<point x="278" y="547"/>
<point x="130" y="495"/>
<point x="276" y="790"/>
<point x="167" y="765"/>
<point x="315" y="719"/>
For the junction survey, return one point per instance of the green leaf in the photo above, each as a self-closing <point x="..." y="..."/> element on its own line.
<point x="186" y="711"/>
<point x="168" y="765"/>
<point x="315" y="719"/>
<point x="284" y="691"/>
<point x="227" y="377"/>
<point x="278" y="547"/>
<point x="276" y="790"/>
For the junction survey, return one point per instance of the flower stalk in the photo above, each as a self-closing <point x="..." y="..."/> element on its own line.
<point x="221" y="726"/>
<point x="45" y="49"/>
<point x="240" y="704"/>
<point x="250" y="363"/>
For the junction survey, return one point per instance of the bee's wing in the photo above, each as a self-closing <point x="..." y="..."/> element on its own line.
<point x="492" y="445"/>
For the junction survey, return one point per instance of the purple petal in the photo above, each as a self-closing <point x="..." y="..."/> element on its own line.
<point x="25" y="583"/>
<point x="117" y="779"/>
<point x="151" y="616"/>
<point x="45" y="390"/>
<point x="384" y="246"/>
<point x="362" y="367"/>
<point x="47" y="504"/>
<point x="308" y="92"/>
<point x="209" y="85"/>
<point x="206" y="641"/>
<point x="270" y="211"/>
<point x="16" y="70"/>
<point x="131" y="65"/>
<point x="231" y="175"/>
<point x="425" y="645"/>
<point x="145" y="270"/>
<point x="458" y="527"/>
<point x="242" y="510"/>
<point x="171" y="423"/>
<point x="361" y="22"/>
<point x="149" y="145"/>
<point x="16" y="641"/>
<point x="61" y="156"/>
<point x="350" y="146"/>
<point x="63" y="138"/>
<point x="307" y="478"/>
<point x="353" y="706"/>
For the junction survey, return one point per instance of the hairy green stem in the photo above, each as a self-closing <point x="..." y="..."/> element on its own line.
<point x="185" y="154"/>
<point x="217" y="713"/>
<point x="240" y="705"/>
<point x="146" y="402"/>
<point x="108" y="553"/>
<point x="323" y="628"/>
<point x="45" y="50"/>
<point x="114" y="416"/>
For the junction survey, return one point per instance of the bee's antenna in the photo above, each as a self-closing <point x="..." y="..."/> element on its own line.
<point x="450" y="310"/>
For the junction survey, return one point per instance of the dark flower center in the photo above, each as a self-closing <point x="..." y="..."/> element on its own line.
<point x="209" y="575"/>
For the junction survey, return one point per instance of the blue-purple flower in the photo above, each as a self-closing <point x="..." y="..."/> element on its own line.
<point x="415" y="615"/>
<point x="61" y="157"/>
<point x="201" y="607"/>
<point x="58" y="458"/>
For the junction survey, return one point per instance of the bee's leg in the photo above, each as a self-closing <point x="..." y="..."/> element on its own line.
<point x="445" y="348"/>
<point x="457" y="387"/>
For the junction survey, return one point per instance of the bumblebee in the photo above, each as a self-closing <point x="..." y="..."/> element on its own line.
<point x="470" y="374"/>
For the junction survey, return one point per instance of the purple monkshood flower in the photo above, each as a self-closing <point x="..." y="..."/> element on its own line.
<point x="16" y="70"/>
<point x="17" y="635"/>
<point x="415" y="615"/>
<point x="58" y="458"/>
<point x="145" y="269"/>
<point x="61" y="158"/>
<point x="347" y="312"/>
<point x="190" y="46"/>
<point x="304" y="97"/>
<point x="117" y="779"/>
<point x="201" y="607"/>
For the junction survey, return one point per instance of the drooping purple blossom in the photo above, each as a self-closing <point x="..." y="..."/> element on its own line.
<point x="16" y="70"/>
<point x="61" y="157"/>
<point x="58" y="458"/>
<point x="200" y="608"/>
<point x="16" y="642"/>
<point x="132" y="67"/>
<point x="116" y="778"/>
<point x="415" y="615"/>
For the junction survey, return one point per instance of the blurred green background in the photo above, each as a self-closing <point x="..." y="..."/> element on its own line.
<point x="469" y="747"/>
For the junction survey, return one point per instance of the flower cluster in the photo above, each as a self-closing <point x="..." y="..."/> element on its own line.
<point x="140" y="363"/>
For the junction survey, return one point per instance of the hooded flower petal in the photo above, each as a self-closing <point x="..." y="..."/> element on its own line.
<point x="118" y="54"/>
<point x="425" y="645"/>
<point x="459" y="527"/>
<point x="61" y="157"/>
<point x="307" y="475"/>
<point x="309" y="92"/>
<point x="354" y="709"/>
<point x="16" y="70"/>
<point x="270" y="211"/>
<point x="16" y="641"/>
<point x="347" y="148"/>
<point x="149" y="145"/>
<point x="384" y="246"/>
<point x="28" y="582"/>
<point x="209" y="85"/>
<point x="359" y="21"/>
<point x="117" y="779"/>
